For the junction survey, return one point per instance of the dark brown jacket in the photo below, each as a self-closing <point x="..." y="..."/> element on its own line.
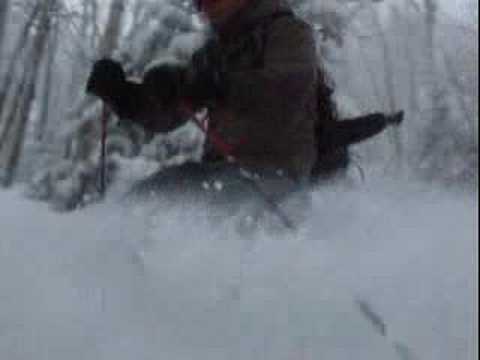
<point x="270" y="100"/>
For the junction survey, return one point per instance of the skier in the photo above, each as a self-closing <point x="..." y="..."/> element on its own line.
<point x="270" y="115"/>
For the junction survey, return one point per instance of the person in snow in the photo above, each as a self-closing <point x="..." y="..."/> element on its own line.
<point x="258" y="78"/>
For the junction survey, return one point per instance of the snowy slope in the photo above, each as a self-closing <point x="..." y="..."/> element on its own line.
<point x="114" y="282"/>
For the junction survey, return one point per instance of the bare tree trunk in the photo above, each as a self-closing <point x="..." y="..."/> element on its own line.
<point x="88" y="21"/>
<point x="16" y="57"/>
<point x="47" y="84"/>
<point x="454" y="78"/>
<point x="412" y="78"/>
<point x="413" y="95"/>
<point x="388" y="70"/>
<point x="12" y="151"/>
<point x="4" y="5"/>
<point x="430" y="21"/>
<point x="88" y="32"/>
<point x="13" y="139"/>
<point x="10" y="118"/>
<point x="110" y="38"/>
<point x="430" y="80"/>
<point x="370" y="71"/>
<point x="431" y="61"/>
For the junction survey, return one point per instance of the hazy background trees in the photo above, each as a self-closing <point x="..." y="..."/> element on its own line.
<point x="385" y="55"/>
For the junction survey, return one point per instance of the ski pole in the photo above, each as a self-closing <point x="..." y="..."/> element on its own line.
<point x="380" y="327"/>
<point x="103" y="151"/>
<point x="272" y="204"/>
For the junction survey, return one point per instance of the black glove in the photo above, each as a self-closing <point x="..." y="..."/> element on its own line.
<point x="395" y="119"/>
<point x="206" y="76"/>
<point x="165" y="83"/>
<point x="106" y="78"/>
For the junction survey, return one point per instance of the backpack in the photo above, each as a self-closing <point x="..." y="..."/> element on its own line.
<point x="332" y="161"/>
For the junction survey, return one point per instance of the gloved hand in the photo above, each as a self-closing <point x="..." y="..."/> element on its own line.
<point x="106" y="78"/>
<point x="395" y="119"/>
<point x="165" y="84"/>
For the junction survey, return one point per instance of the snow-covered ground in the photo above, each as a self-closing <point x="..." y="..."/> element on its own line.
<point x="115" y="282"/>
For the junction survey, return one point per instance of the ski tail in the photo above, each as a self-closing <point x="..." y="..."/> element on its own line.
<point x="353" y="131"/>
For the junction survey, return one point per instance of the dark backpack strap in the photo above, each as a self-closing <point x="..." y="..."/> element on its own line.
<point x="265" y="23"/>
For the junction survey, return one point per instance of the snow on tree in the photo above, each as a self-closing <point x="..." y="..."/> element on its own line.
<point x="140" y="35"/>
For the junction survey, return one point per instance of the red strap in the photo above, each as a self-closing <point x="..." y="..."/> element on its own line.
<point x="221" y="145"/>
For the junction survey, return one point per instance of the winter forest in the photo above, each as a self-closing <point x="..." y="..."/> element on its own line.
<point x="383" y="56"/>
<point x="392" y="252"/>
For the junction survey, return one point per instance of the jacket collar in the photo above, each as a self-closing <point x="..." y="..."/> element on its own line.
<point x="254" y="11"/>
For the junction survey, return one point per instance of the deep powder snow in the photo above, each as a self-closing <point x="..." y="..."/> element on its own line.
<point x="140" y="281"/>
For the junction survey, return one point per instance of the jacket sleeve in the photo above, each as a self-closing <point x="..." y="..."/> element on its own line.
<point x="282" y="89"/>
<point x="135" y="103"/>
